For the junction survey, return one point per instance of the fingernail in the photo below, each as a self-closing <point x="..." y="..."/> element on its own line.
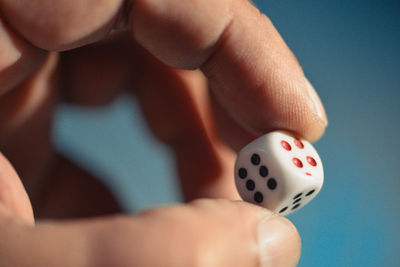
<point x="279" y="242"/>
<point x="317" y="104"/>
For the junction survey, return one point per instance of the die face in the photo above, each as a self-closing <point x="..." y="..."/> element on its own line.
<point x="255" y="179"/>
<point x="295" y="155"/>
<point x="285" y="174"/>
<point x="292" y="203"/>
<point x="301" y="165"/>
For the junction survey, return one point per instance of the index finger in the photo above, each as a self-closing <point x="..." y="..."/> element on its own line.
<point x="253" y="74"/>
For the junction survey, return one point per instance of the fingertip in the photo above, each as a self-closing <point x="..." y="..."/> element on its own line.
<point x="287" y="103"/>
<point x="316" y="101"/>
<point x="254" y="235"/>
<point x="315" y="121"/>
<point x="279" y="242"/>
<point x="18" y="58"/>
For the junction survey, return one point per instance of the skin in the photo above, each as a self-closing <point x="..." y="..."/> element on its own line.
<point x="210" y="76"/>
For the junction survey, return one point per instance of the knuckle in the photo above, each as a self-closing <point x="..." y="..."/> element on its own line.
<point x="62" y="24"/>
<point x="196" y="24"/>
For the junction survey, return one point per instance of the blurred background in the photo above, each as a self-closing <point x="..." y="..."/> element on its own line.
<point x="350" y="52"/>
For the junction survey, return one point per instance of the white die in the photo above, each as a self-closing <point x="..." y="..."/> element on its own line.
<point x="279" y="172"/>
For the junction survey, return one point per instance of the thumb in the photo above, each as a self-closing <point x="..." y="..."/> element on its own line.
<point x="13" y="198"/>
<point x="202" y="233"/>
<point x="208" y="233"/>
<point x="221" y="233"/>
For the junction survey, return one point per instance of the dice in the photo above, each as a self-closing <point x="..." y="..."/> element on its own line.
<point x="279" y="172"/>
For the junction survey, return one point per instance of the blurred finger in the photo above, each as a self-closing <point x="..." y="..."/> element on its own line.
<point x="96" y="74"/>
<point x="25" y="118"/>
<point x="58" y="188"/>
<point x="71" y="192"/>
<point x="176" y="106"/>
<point x="14" y="201"/>
<point x="175" y="103"/>
<point x="18" y="58"/>
<point x="198" y="234"/>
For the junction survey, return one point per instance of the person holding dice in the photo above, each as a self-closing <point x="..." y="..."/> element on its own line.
<point x="210" y="77"/>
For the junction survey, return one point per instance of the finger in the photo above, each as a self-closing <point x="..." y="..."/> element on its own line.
<point x="252" y="72"/>
<point x="25" y="119"/>
<point x="14" y="201"/>
<point x="71" y="192"/>
<point x="198" y="234"/>
<point x="93" y="74"/>
<point x="18" y="59"/>
<point x="175" y="104"/>
<point x="63" y="24"/>
<point x="58" y="188"/>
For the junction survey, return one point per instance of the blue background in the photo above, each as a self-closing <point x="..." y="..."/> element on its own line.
<point x="350" y="52"/>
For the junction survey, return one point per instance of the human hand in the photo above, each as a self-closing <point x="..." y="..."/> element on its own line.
<point x="256" y="86"/>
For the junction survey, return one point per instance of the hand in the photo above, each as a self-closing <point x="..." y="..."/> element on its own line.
<point x="256" y="85"/>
